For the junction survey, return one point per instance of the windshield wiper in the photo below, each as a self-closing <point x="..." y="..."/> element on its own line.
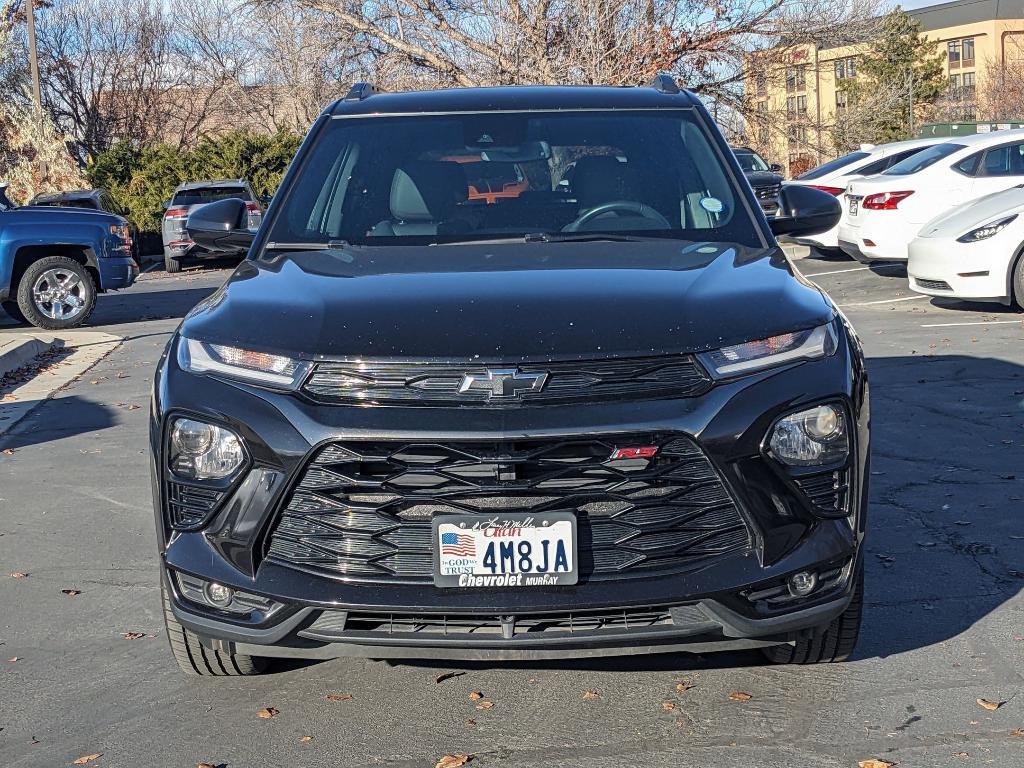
<point x="585" y="237"/>
<point x="328" y="246"/>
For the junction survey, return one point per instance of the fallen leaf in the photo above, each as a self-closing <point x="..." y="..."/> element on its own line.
<point x="684" y="687"/>
<point x="267" y="712"/>
<point x="961" y="754"/>
<point x="13" y="659"/>
<point x="88" y="758"/>
<point x="740" y="696"/>
<point x="875" y="764"/>
<point x="18" y="575"/>
<point x="132" y="635"/>
<point x="447" y="676"/>
<point x="205" y="765"/>
<point x="990" y="705"/>
<point x="668" y="706"/>
<point x="339" y="697"/>
<point x="133" y="407"/>
<point x="96" y="381"/>
<point x="8" y="452"/>
<point x="452" y="761"/>
<point x="71" y="592"/>
<point x="587" y="695"/>
<point x="471" y="722"/>
<point x="306" y="738"/>
<point x="475" y="696"/>
<point x="1018" y="732"/>
<point x="485" y="704"/>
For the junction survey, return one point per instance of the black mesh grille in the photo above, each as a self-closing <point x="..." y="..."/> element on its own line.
<point x="429" y="384"/>
<point x="189" y="504"/>
<point x="828" y="491"/>
<point x="362" y="510"/>
<point x="933" y="285"/>
<point x="768" y="193"/>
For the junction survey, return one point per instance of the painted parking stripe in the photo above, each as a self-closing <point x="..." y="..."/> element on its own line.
<point x="983" y="322"/>
<point x="853" y="269"/>
<point x="886" y="301"/>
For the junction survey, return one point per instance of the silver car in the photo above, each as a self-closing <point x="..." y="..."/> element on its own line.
<point x="178" y="246"/>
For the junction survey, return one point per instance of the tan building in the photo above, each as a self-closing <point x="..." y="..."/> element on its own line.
<point x="802" y="102"/>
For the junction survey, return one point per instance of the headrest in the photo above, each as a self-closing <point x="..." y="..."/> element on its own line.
<point x="426" y="190"/>
<point x="600" y="179"/>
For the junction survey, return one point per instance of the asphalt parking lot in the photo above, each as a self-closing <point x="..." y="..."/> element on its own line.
<point x="944" y="624"/>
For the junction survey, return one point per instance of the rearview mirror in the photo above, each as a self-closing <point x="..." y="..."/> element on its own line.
<point x="775" y="168"/>
<point x="221" y="227"/>
<point x="804" y="211"/>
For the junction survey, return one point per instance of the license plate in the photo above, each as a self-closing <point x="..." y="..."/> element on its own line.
<point x="516" y="550"/>
<point x="854" y="202"/>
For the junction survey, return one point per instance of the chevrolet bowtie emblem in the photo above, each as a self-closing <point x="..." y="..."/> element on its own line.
<point x="503" y="382"/>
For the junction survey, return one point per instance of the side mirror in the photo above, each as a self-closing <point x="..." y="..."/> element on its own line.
<point x="775" y="168"/>
<point x="805" y="211"/>
<point x="221" y="227"/>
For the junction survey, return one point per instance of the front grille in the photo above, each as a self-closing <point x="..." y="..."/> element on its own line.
<point x="362" y="510"/>
<point x="376" y="382"/>
<point x="341" y="625"/>
<point x="768" y="193"/>
<point x="933" y="285"/>
<point x="827" y="491"/>
<point x="189" y="504"/>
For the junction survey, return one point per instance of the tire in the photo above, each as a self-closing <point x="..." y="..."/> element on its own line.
<point x="56" y="273"/>
<point x="12" y="309"/>
<point x="172" y="265"/>
<point x="196" y="659"/>
<point x="832" y="642"/>
<point x="1018" y="283"/>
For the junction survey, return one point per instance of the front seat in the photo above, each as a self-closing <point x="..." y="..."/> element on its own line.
<point x="598" y="179"/>
<point x="424" y="196"/>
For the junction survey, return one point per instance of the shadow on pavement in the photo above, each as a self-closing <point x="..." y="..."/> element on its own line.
<point x="68" y="416"/>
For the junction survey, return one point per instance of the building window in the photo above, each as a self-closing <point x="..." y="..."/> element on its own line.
<point x="795" y="78"/>
<point x="762" y="107"/>
<point x="796" y="106"/>
<point x="967" y="89"/>
<point x="797" y="135"/>
<point x="846" y="68"/>
<point x="967" y="52"/>
<point x="760" y="84"/>
<point x="953" y="54"/>
<point x="842" y="101"/>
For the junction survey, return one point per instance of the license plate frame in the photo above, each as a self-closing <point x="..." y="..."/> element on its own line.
<point x="854" y="205"/>
<point x="459" y="570"/>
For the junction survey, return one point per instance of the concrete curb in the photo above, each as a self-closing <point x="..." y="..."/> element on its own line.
<point x="21" y="349"/>
<point x="81" y="351"/>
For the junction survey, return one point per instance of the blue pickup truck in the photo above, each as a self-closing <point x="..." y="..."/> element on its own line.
<point x="54" y="262"/>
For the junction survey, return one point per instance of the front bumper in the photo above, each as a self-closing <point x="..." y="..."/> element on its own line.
<point x="976" y="271"/>
<point x="705" y="605"/>
<point x="117" y="272"/>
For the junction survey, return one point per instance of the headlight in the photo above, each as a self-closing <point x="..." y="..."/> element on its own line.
<point x="260" y="367"/>
<point x="987" y="231"/>
<point x="775" y="350"/>
<point x="201" y="451"/>
<point x="815" y="437"/>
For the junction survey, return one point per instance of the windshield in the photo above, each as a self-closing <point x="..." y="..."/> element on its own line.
<point x="833" y="165"/>
<point x="446" y="178"/>
<point x="209" y="195"/>
<point x="921" y="160"/>
<point x="750" y="160"/>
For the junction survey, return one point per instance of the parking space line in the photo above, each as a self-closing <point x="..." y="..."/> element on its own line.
<point x="983" y="322"/>
<point x="885" y="301"/>
<point x="852" y="269"/>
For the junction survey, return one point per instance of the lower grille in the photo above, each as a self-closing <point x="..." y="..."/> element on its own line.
<point x="342" y="625"/>
<point x="827" y="491"/>
<point x="932" y="285"/>
<point x="768" y="193"/>
<point x="362" y="510"/>
<point x="189" y="505"/>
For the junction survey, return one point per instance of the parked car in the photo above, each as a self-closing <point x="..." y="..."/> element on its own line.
<point x="178" y="247"/>
<point x="885" y="212"/>
<point x="93" y="200"/>
<point x="54" y="261"/>
<point x="765" y="179"/>
<point x="413" y="425"/>
<point x="973" y="251"/>
<point x="835" y="175"/>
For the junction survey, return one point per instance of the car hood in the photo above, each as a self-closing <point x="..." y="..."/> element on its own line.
<point x="975" y="213"/>
<point x="52" y="214"/>
<point x="763" y="178"/>
<point x="510" y="303"/>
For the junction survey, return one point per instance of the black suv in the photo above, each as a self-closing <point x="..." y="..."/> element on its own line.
<point x="590" y="418"/>
<point x="766" y="180"/>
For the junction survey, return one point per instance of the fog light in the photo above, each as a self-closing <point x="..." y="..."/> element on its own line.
<point x="803" y="583"/>
<point x="201" y="451"/>
<point x="218" y="594"/>
<point x="815" y="437"/>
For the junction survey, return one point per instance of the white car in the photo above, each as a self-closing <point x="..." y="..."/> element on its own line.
<point x="885" y="212"/>
<point x="835" y="175"/>
<point x="973" y="251"/>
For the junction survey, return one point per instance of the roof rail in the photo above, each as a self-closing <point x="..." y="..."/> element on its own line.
<point x="360" y="91"/>
<point x="664" y="83"/>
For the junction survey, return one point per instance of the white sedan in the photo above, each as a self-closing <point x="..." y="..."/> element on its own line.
<point x="834" y="176"/>
<point x="973" y="251"/>
<point x="885" y="212"/>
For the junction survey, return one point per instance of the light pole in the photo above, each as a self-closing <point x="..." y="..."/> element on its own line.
<point x="33" y="55"/>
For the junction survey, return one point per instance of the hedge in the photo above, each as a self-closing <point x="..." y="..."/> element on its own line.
<point x="141" y="179"/>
